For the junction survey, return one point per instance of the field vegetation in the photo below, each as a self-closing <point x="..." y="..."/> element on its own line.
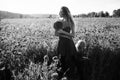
<point x="29" y="45"/>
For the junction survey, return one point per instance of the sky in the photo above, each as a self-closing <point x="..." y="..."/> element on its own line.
<point x="53" y="6"/>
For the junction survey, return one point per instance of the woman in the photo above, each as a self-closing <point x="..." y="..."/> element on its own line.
<point x="66" y="47"/>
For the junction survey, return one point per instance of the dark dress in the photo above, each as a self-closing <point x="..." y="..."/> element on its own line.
<point x="66" y="48"/>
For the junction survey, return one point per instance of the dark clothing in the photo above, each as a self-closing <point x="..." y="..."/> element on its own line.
<point x="66" y="48"/>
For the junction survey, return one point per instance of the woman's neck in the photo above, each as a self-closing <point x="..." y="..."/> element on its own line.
<point x="63" y="18"/>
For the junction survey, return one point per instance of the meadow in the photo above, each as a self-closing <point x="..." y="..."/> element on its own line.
<point x="25" y="42"/>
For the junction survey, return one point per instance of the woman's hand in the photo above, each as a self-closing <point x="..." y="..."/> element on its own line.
<point x="65" y="33"/>
<point x="60" y="31"/>
<point x="56" y="33"/>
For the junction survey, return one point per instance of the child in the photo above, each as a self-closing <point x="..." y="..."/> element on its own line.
<point x="58" y="25"/>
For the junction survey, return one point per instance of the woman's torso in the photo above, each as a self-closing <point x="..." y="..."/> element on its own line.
<point x="66" y="27"/>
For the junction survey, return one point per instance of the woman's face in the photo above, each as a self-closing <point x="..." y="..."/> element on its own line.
<point x="61" y="13"/>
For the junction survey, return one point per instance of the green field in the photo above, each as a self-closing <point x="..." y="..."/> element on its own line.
<point x="29" y="39"/>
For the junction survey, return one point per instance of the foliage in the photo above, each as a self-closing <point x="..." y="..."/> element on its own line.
<point x="116" y="13"/>
<point x="93" y="14"/>
<point x="29" y="47"/>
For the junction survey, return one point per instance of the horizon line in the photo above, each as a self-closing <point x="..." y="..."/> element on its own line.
<point x="51" y="13"/>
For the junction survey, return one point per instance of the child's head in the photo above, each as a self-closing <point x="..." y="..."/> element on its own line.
<point x="80" y="45"/>
<point x="58" y="25"/>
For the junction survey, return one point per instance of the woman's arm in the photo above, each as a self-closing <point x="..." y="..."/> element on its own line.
<point x="71" y="34"/>
<point x="56" y="33"/>
<point x="73" y="30"/>
<point x="62" y="32"/>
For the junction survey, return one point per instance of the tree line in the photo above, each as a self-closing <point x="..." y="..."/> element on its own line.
<point x="5" y="14"/>
<point x="116" y="13"/>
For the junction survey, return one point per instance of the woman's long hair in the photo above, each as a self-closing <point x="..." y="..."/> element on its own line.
<point x="67" y="13"/>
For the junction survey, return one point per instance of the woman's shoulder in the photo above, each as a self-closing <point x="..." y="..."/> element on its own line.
<point x="64" y="23"/>
<point x="60" y="20"/>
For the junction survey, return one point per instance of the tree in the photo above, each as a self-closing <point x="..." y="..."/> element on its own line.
<point x="116" y="13"/>
<point x="82" y="15"/>
<point x="21" y="16"/>
<point x="101" y="14"/>
<point x="107" y="14"/>
<point x="50" y="16"/>
<point x="92" y="14"/>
